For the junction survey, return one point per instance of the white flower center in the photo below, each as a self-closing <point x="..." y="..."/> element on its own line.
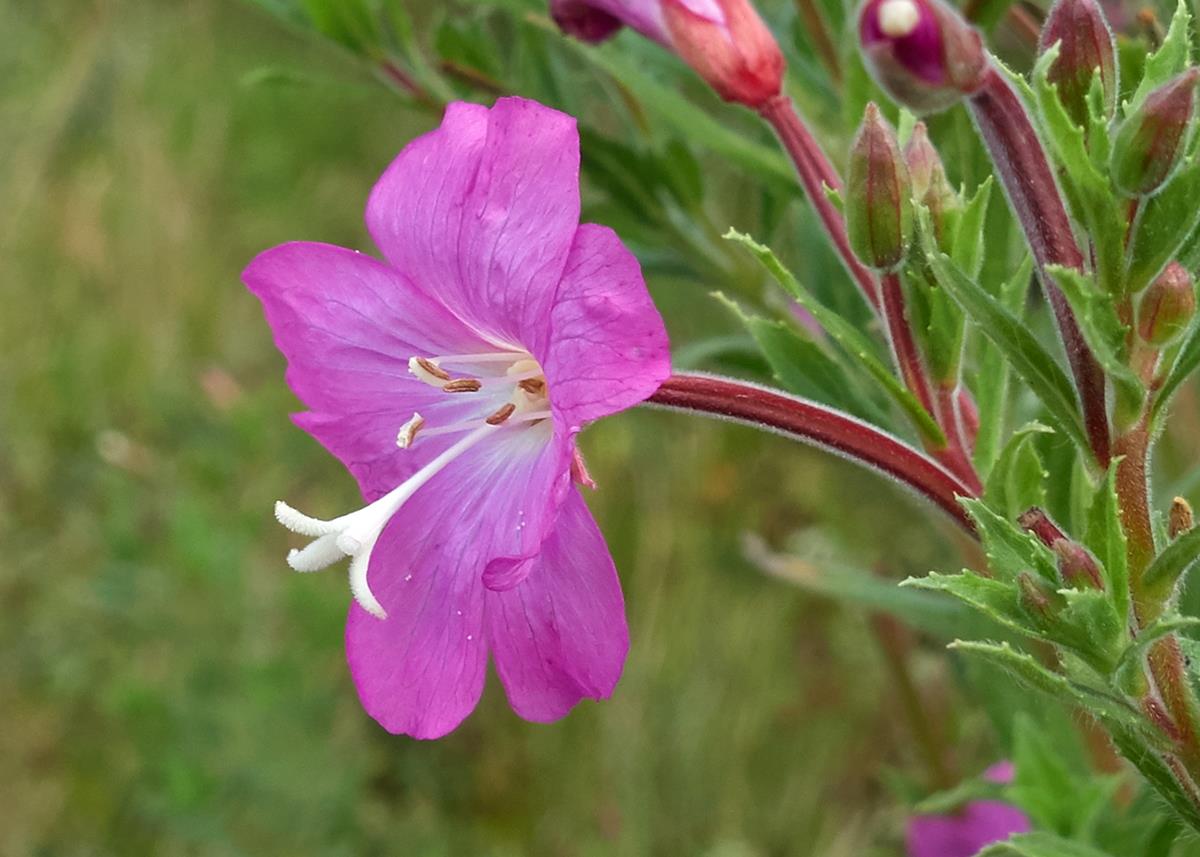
<point x="898" y="18"/>
<point x="512" y="377"/>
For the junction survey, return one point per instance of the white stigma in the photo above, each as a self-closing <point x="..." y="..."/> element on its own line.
<point x="898" y="18"/>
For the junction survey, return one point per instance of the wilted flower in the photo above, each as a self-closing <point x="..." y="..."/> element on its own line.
<point x="451" y="380"/>
<point x="921" y="52"/>
<point x="976" y="825"/>
<point x="725" y="41"/>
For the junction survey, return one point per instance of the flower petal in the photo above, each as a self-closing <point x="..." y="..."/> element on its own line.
<point x="481" y="213"/>
<point x="608" y="349"/>
<point x="348" y="325"/>
<point x="419" y="671"/>
<point x="561" y="635"/>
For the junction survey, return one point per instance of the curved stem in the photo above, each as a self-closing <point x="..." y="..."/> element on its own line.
<point x="1032" y="191"/>
<point x="820" y="426"/>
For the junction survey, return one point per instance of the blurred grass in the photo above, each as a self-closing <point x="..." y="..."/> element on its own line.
<point x="168" y="687"/>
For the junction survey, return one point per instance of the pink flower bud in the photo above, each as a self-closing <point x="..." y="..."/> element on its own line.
<point x="930" y="186"/>
<point x="1077" y="566"/>
<point x="878" y="195"/>
<point x="921" y="52"/>
<point x="1035" y="520"/>
<point x="1085" y="45"/>
<point x="1151" y="142"/>
<point x="1168" y="306"/>
<point x="724" y="41"/>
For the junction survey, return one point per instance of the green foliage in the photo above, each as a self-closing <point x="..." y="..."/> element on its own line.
<point x="1017" y="481"/>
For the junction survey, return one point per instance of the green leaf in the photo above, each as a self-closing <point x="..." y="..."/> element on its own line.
<point x="1009" y="549"/>
<point x="1017" y="481"/>
<point x="1106" y="539"/>
<point x="856" y="587"/>
<point x="990" y="383"/>
<point x="802" y="365"/>
<point x="968" y="247"/>
<point x="1041" y="845"/>
<point x="1113" y="711"/>
<point x="1129" y="667"/>
<point x="1091" y="627"/>
<point x="846" y="335"/>
<point x="1164" y="223"/>
<point x="995" y="599"/>
<point x="1087" y="190"/>
<point x="350" y="23"/>
<point x="1146" y="755"/>
<point x="1170" y="59"/>
<point x="1027" y="356"/>
<point x="1170" y="565"/>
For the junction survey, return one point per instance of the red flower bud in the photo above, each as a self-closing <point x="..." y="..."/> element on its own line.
<point x="921" y="52"/>
<point x="724" y="41"/>
<point x="878" y="195"/>
<point x="1168" y="306"/>
<point x="930" y="186"/>
<point x="1151" y="142"/>
<point x="1036" y="521"/>
<point x="1085" y="45"/>
<point x="1077" y="566"/>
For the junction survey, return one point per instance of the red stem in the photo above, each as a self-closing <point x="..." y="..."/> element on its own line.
<point x="1032" y="191"/>
<point x="821" y="426"/>
<point x="816" y="173"/>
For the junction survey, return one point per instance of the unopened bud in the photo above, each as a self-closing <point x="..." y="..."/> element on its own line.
<point x="1037" y="599"/>
<point x="1086" y="47"/>
<point x="1035" y="520"/>
<point x="1167" y="307"/>
<point x="878" y="195"/>
<point x="1181" y="519"/>
<point x="724" y="41"/>
<point x="1151" y="142"/>
<point x="1077" y="566"/>
<point x="930" y="187"/>
<point x="921" y="51"/>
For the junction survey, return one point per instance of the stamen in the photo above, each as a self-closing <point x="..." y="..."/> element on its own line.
<point x="469" y="425"/>
<point x="898" y="18"/>
<point x="489" y="357"/>
<point x="433" y="369"/>
<point x="501" y="415"/>
<point x="462" y="385"/>
<point x="533" y="386"/>
<point x="408" y="431"/>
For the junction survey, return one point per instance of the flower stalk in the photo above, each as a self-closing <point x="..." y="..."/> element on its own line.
<point x="821" y="426"/>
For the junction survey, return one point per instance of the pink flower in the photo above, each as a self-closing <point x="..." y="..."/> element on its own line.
<point x="725" y="41"/>
<point x="974" y="826"/>
<point x="451" y="380"/>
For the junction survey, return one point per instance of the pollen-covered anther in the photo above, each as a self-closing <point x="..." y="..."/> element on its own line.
<point x="462" y="385"/>
<point x="501" y="415"/>
<point x="433" y="369"/>
<point x="898" y="18"/>
<point x="533" y="386"/>
<point x="408" y="431"/>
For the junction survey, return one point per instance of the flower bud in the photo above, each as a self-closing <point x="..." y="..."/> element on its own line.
<point x="1167" y="306"/>
<point x="1077" y="566"/>
<point x="1085" y="46"/>
<point x="1152" y="141"/>
<point x="930" y="187"/>
<point x="1037" y="599"/>
<point x="1181" y="519"/>
<point x="1035" y="520"/>
<point x="921" y="52"/>
<point x="724" y="41"/>
<point x="878" y="195"/>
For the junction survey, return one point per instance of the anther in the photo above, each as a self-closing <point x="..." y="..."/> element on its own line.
<point x="533" y="386"/>
<point x="462" y="385"/>
<point x="408" y="431"/>
<point x="501" y="415"/>
<point x="433" y="369"/>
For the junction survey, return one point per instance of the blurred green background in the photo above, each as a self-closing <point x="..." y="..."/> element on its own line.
<point x="168" y="687"/>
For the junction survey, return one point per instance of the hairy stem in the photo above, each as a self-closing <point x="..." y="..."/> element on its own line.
<point x="820" y="426"/>
<point x="1032" y="192"/>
